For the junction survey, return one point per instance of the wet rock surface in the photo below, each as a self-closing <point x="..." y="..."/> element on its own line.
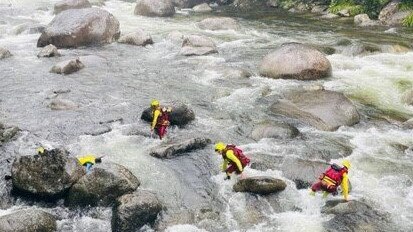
<point x="67" y="67"/>
<point x="49" y="51"/>
<point x="33" y="220"/>
<point x="62" y="104"/>
<point x="7" y="133"/>
<point x="48" y="175"/>
<point x="181" y="114"/>
<point x="309" y="63"/>
<point x="274" y="130"/>
<point x="105" y="183"/>
<point x="260" y="185"/>
<point x="70" y="4"/>
<point x="196" y="45"/>
<point x="139" y="38"/>
<point x="134" y="210"/>
<point x="4" y="53"/>
<point x="155" y="8"/>
<point x="323" y="109"/>
<point x="303" y="172"/>
<point x="176" y="148"/>
<point x="80" y="27"/>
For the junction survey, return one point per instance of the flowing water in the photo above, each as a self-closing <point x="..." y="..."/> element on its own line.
<point x="121" y="85"/>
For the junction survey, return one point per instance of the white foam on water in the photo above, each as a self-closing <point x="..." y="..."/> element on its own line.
<point x="184" y="228"/>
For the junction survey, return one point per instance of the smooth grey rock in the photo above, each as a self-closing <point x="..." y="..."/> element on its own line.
<point x="260" y="185"/>
<point x="391" y="14"/>
<point x="219" y="23"/>
<point x="176" y="37"/>
<point x="28" y="220"/>
<point x="236" y="73"/>
<point x="172" y="149"/>
<point x="202" y="8"/>
<point x="80" y="27"/>
<point x="48" y="175"/>
<point x="363" y="20"/>
<point x="70" y="4"/>
<point x="62" y="104"/>
<point x="323" y="109"/>
<point x="7" y="133"/>
<point x="274" y="130"/>
<point x="309" y="63"/>
<point x="4" y="53"/>
<point x="155" y="8"/>
<point x="49" y="51"/>
<point x="196" y="45"/>
<point x="106" y="182"/>
<point x="139" y="38"/>
<point x="303" y="172"/>
<point x="181" y="114"/>
<point x="134" y="210"/>
<point x="67" y="67"/>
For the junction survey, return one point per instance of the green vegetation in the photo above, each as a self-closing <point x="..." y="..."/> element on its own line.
<point x="408" y="21"/>
<point x="406" y="5"/>
<point x="350" y="5"/>
<point x="403" y="85"/>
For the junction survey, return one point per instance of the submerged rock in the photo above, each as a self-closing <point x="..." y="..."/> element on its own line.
<point x="80" y="27"/>
<point x="260" y="185"/>
<point x="309" y="63"/>
<point x="48" y="175"/>
<point x="181" y="114"/>
<point x="196" y="45"/>
<point x="323" y="109"/>
<point x="155" y="8"/>
<point x="67" y="67"/>
<point x="176" y="37"/>
<point x="355" y="216"/>
<point x="274" y="130"/>
<point x="105" y="183"/>
<point x="29" y="220"/>
<point x="49" y="51"/>
<point x="7" y="133"/>
<point x="4" y="53"/>
<point x="364" y="20"/>
<point x="62" y="104"/>
<point x="219" y="23"/>
<point x="139" y="38"/>
<point x="233" y="72"/>
<point x="70" y="4"/>
<point x="202" y="8"/>
<point x="169" y="150"/>
<point x="302" y="172"/>
<point x="132" y="211"/>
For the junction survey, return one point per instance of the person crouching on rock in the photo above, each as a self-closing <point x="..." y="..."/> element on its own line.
<point x="331" y="179"/>
<point x="88" y="161"/>
<point x="160" y="119"/>
<point x="233" y="157"/>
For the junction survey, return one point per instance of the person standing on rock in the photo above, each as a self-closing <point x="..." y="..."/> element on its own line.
<point x="88" y="161"/>
<point x="160" y="119"/>
<point x="331" y="179"/>
<point x="233" y="157"/>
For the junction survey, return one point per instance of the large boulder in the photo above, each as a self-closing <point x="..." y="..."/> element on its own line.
<point x="7" y="133"/>
<point x="323" y="109"/>
<point x="4" y="53"/>
<point x="48" y="51"/>
<point x="196" y="45"/>
<point x="70" y="4"/>
<point x="155" y="8"/>
<point x="356" y="216"/>
<point x="67" y="67"/>
<point x="33" y="220"/>
<point x="364" y="20"/>
<point x="392" y="15"/>
<point x="132" y="211"/>
<point x="181" y="114"/>
<point x="308" y="63"/>
<point x="260" y="185"/>
<point x="202" y="8"/>
<point x="169" y="150"/>
<point x="219" y="23"/>
<point x="80" y="27"/>
<point x="105" y="183"/>
<point x="274" y="130"/>
<point x="302" y="172"/>
<point x="139" y="38"/>
<point x="48" y="175"/>
<point x="188" y="3"/>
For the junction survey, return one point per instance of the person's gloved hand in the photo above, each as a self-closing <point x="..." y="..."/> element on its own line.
<point x="227" y="178"/>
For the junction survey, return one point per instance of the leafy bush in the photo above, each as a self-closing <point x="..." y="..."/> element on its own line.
<point x="406" y="5"/>
<point x="408" y="21"/>
<point x="339" y="5"/>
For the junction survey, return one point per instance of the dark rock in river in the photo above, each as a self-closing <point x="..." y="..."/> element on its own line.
<point x="155" y="8"/>
<point x="274" y="130"/>
<point x="323" y="109"/>
<point x="29" y="220"/>
<point x="181" y="114"/>
<point x="260" y="185"/>
<point x="169" y="150"/>
<point x="132" y="211"/>
<point x="80" y="27"/>
<point x="7" y="133"/>
<point x="105" y="183"/>
<point x="48" y="175"/>
<point x="49" y="51"/>
<point x="70" y="4"/>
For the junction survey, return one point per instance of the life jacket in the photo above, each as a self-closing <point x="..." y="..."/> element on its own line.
<point x="238" y="153"/>
<point x="333" y="176"/>
<point x="163" y="118"/>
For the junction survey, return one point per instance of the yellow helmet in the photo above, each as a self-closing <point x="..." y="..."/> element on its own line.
<point x="346" y="164"/>
<point x="154" y="103"/>
<point x="220" y="146"/>
<point x="40" y="150"/>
